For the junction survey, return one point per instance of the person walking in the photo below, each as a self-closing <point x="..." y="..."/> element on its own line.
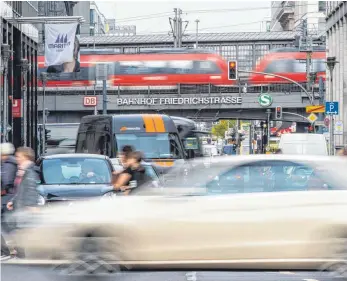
<point x="8" y="174"/>
<point x="8" y="170"/>
<point x="25" y="184"/>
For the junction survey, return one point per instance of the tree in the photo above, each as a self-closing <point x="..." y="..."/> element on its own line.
<point x="219" y="129"/>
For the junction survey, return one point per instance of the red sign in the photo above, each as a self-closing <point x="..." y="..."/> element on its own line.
<point x="90" y="101"/>
<point x="16" y="108"/>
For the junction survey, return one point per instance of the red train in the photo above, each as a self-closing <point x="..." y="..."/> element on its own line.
<point x="290" y="63"/>
<point x="172" y="67"/>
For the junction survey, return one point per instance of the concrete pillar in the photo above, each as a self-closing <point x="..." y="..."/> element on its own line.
<point x="344" y="62"/>
<point x="340" y="74"/>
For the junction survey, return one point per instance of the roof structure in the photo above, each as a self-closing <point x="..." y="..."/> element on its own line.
<point x="203" y="38"/>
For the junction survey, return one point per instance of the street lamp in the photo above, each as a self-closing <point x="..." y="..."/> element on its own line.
<point x="25" y="68"/>
<point x="331" y="61"/>
<point x="5" y="55"/>
<point x="44" y="78"/>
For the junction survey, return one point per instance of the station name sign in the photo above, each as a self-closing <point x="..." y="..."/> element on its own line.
<point x="179" y="101"/>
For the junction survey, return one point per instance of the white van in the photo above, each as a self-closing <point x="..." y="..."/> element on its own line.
<point x="307" y="144"/>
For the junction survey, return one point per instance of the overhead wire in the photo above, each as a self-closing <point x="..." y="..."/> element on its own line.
<point x="165" y="14"/>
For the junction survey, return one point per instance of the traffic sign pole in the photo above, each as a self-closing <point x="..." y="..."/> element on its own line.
<point x="332" y="109"/>
<point x="332" y="136"/>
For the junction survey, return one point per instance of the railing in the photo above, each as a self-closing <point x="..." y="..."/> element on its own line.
<point x="183" y="89"/>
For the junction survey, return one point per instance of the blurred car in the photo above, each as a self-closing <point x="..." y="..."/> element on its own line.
<point x="64" y="147"/>
<point x="260" y="224"/>
<point x="66" y="177"/>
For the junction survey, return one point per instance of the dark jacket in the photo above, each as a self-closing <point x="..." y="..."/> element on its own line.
<point x="8" y="173"/>
<point x="27" y="194"/>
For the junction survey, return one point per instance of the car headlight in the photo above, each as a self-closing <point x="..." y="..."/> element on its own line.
<point x="41" y="200"/>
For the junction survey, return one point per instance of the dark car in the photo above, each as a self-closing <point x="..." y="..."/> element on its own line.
<point x="68" y="177"/>
<point x="64" y="147"/>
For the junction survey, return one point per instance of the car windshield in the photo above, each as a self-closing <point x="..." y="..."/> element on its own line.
<point x="76" y="171"/>
<point x="153" y="146"/>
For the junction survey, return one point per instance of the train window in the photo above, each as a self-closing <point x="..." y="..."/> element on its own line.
<point x="180" y="67"/>
<point x="85" y="73"/>
<point x="300" y="66"/>
<point x="280" y="66"/>
<point x="144" y="67"/>
<point x="155" y="67"/>
<point x="130" y="67"/>
<point x="318" y="65"/>
<point x="206" y="67"/>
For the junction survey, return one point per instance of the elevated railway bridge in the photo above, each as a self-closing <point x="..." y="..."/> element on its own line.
<point x="203" y="102"/>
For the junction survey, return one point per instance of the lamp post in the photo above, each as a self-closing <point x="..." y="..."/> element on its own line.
<point x="331" y="61"/>
<point x="44" y="78"/>
<point x="197" y="33"/>
<point x="5" y="55"/>
<point x="24" y="68"/>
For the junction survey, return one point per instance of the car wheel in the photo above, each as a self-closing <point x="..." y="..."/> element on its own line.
<point x="337" y="268"/>
<point x="92" y="255"/>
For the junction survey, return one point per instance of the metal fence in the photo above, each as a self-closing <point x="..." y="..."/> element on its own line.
<point x="181" y="89"/>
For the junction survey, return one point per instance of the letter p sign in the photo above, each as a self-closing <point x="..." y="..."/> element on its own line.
<point x="90" y="101"/>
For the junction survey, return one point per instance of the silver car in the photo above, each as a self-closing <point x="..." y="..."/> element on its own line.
<point x="206" y="221"/>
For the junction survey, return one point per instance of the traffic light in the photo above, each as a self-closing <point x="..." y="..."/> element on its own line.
<point x="232" y="70"/>
<point x="47" y="135"/>
<point x="278" y="114"/>
<point x="241" y="137"/>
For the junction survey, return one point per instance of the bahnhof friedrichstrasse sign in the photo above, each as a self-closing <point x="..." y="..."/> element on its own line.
<point x="180" y="101"/>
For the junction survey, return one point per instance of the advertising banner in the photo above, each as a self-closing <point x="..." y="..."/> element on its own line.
<point x="61" y="48"/>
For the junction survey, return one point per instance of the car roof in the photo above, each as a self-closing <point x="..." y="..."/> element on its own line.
<point x="242" y="159"/>
<point x="75" y="155"/>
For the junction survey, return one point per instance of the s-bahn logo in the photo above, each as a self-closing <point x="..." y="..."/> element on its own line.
<point x="61" y="42"/>
<point x="265" y="100"/>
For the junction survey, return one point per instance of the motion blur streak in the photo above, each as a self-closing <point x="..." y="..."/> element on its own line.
<point x="207" y="218"/>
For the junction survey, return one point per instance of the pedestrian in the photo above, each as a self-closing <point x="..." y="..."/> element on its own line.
<point x="342" y="152"/>
<point x="8" y="169"/>
<point x="8" y="174"/>
<point x="133" y="176"/>
<point x="124" y="154"/>
<point x="26" y="196"/>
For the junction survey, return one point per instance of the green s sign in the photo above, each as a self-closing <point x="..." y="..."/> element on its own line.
<point x="265" y="100"/>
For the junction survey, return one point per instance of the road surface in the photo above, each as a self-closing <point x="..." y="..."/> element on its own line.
<point x="34" y="273"/>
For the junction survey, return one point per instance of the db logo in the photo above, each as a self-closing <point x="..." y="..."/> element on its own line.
<point x="90" y="101"/>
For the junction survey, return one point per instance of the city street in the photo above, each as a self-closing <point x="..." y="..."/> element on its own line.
<point x="15" y="272"/>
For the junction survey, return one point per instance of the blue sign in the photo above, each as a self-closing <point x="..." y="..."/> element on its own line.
<point x="332" y="108"/>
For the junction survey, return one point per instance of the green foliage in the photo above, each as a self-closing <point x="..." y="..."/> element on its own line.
<point x="219" y="129"/>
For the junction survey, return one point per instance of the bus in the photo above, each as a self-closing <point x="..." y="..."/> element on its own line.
<point x="190" y="136"/>
<point x="155" y="135"/>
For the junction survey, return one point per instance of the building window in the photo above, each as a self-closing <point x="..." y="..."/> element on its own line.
<point x="91" y="16"/>
<point x="321" y="6"/>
